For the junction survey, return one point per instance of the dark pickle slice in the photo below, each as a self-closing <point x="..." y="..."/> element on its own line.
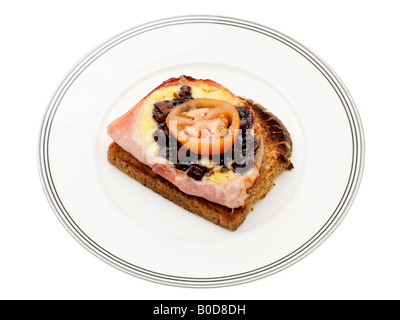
<point x="243" y="167"/>
<point x="246" y="118"/>
<point x="185" y="92"/>
<point x="196" y="172"/>
<point x="161" y="110"/>
<point x="159" y="117"/>
<point x="163" y="106"/>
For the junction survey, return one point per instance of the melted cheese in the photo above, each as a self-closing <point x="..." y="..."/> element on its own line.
<point x="221" y="176"/>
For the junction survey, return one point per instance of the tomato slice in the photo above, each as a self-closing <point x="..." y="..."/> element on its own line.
<point x="205" y="126"/>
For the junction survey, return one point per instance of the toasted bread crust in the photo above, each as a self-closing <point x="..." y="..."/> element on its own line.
<point x="277" y="146"/>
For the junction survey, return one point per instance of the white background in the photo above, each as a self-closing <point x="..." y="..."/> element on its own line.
<point x="42" y="40"/>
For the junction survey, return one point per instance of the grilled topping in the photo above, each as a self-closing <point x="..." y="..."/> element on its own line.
<point x="189" y="129"/>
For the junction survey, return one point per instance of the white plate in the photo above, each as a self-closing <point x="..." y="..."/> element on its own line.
<point x="138" y="231"/>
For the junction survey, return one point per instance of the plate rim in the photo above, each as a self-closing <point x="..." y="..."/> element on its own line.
<point x="317" y="239"/>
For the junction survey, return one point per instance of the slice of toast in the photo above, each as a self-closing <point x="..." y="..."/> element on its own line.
<point x="277" y="145"/>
